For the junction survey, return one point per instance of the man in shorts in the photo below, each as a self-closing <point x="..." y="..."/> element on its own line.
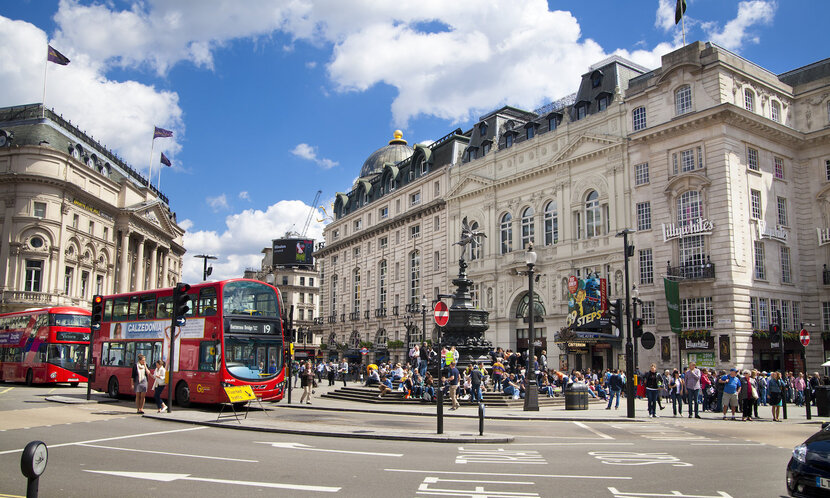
<point x="731" y="391"/>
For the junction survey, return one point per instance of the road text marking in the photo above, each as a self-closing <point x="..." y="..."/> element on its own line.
<point x="503" y="474"/>
<point x="499" y="455"/>
<point x="671" y="494"/>
<point x="164" y="477"/>
<point x="300" y="446"/>
<point x="167" y="453"/>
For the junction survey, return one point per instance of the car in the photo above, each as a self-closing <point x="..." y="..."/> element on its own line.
<point x="808" y="473"/>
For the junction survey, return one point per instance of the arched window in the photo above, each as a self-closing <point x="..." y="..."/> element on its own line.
<point x="593" y="216"/>
<point x="775" y="111"/>
<point x="689" y="207"/>
<point x="683" y="99"/>
<point x="528" y="227"/>
<point x="390" y="184"/>
<point x="506" y="230"/>
<point x="415" y="277"/>
<point x="475" y="244"/>
<point x="523" y="307"/>
<point x="551" y="223"/>
<point x="638" y="117"/>
<point x="382" y="269"/>
<point x="356" y="290"/>
<point x="749" y="100"/>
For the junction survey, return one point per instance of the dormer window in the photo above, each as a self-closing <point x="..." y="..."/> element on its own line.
<point x="423" y="166"/>
<point x="390" y="184"/>
<point x="553" y="121"/>
<point x="602" y="102"/>
<point x="508" y="140"/>
<point x="482" y="129"/>
<point x="581" y="110"/>
<point x="485" y="147"/>
<point x="530" y="131"/>
<point x="596" y="79"/>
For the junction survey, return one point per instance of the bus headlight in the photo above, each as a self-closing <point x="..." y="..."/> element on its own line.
<point x="227" y="384"/>
<point x="53" y="375"/>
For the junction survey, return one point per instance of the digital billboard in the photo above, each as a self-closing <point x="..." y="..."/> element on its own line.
<point x="587" y="303"/>
<point x="293" y="252"/>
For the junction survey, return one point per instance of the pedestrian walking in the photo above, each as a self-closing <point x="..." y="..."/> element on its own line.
<point x="344" y="370"/>
<point x="454" y="377"/>
<point x="476" y="376"/>
<point x="691" y="381"/>
<point x="676" y="393"/>
<point x="731" y="391"/>
<point x="158" y="385"/>
<point x="615" y="387"/>
<point x="652" y="390"/>
<point x="140" y="374"/>
<point x="307" y="382"/>
<point x="748" y="394"/>
<point x="775" y="394"/>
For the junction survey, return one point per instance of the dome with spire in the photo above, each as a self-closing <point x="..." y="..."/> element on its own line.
<point x="395" y="152"/>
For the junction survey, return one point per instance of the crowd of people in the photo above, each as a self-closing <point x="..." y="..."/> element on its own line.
<point x="699" y="389"/>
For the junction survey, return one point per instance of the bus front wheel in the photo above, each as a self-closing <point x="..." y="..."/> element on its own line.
<point x="183" y="394"/>
<point x="29" y="377"/>
<point x="74" y="384"/>
<point x="112" y="387"/>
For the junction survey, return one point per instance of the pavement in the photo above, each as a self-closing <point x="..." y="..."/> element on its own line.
<point x="341" y="418"/>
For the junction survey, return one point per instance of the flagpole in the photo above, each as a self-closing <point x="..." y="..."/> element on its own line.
<point x="150" y="173"/>
<point x="45" y="67"/>
<point x="683" y="26"/>
<point x="158" y="185"/>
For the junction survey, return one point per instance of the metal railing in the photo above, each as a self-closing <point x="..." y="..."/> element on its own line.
<point x="696" y="271"/>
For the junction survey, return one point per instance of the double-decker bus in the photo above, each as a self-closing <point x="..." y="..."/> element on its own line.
<point x="232" y="336"/>
<point x="47" y="345"/>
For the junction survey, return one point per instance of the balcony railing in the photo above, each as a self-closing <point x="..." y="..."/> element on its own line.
<point x="342" y="317"/>
<point x="380" y="312"/>
<point x="826" y="276"/>
<point x="692" y="271"/>
<point x="395" y="310"/>
<point x="354" y="315"/>
<point x="366" y="315"/>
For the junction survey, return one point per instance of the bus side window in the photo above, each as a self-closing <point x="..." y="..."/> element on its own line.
<point x="134" y="308"/>
<point x="120" y="309"/>
<point x="41" y="352"/>
<point x="194" y="306"/>
<point x="207" y="301"/>
<point x="164" y="307"/>
<point x="108" y="310"/>
<point x="129" y="357"/>
<point x="208" y="356"/>
<point x="147" y="307"/>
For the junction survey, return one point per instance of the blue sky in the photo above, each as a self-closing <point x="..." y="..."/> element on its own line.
<point x="274" y="101"/>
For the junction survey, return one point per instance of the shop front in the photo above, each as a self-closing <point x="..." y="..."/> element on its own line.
<point x="582" y="354"/>
<point x="766" y="354"/>
<point x="700" y="350"/>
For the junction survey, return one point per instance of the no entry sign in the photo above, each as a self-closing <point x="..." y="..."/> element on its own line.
<point x="804" y="337"/>
<point x="441" y="313"/>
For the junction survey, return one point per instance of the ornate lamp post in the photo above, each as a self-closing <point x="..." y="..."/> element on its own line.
<point x="629" y="346"/>
<point x="531" y="390"/>
<point x="423" y="319"/>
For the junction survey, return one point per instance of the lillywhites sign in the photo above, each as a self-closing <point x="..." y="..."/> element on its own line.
<point x="768" y="232"/>
<point x="701" y="226"/>
<point x="701" y="343"/>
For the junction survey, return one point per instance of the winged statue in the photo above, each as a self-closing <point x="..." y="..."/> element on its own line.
<point x="468" y="235"/>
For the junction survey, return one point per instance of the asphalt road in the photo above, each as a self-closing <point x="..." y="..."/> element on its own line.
<point x="106" y="450"/>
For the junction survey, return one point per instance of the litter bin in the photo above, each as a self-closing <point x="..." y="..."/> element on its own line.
<point x="576" y="396"/>
<point x="823" y="401"/>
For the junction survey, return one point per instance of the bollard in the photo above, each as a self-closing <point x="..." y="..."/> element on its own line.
<point x="32" y="465"/>
<point x="807" y="401"/>
<point x="481" y="419"/>
<point x="439" y="399"/>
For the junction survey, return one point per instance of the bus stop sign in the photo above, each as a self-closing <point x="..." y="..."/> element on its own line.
<point x="441" y="313"/>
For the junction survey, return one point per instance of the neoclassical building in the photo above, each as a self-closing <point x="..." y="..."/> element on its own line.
<point x="386" y="250"/>
<point x="78" y="220"/>
<point x="720" y="166"/>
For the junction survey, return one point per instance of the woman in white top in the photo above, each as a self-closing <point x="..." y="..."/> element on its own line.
<point x="158" y="385"/>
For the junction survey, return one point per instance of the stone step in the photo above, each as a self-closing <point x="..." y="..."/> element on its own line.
<point x="370" y="395"/>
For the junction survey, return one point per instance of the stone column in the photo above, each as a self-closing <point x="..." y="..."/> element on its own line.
<point x="124" y="263"/>
<point x="5" y="244"/>
<point x="154" y="278"/>
<point x="139" y="266"/>
<point x="165" y="266"/>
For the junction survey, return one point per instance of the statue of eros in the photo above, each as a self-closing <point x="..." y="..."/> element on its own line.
<point x="468" y="235"/>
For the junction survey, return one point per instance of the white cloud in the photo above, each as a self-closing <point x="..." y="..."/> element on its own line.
<point x="246" y="234"/>
<point x="245" y="196"/>
<point x="665" y="14"/>
<point x="737" y="31"/>
<point x="309" y="153"/>
<point x="218" y="203"/>
<point x="120" y="115"/>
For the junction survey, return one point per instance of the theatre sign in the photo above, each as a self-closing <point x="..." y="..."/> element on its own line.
<point x="701" y="226"/>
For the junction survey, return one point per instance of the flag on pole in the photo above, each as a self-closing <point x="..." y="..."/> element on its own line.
<point x="679" y="10"/>
<point x="161" y="133"/>
<point x="164" y="160"/>
<point x="56" y="57"/>
<point x="673" y="304"/>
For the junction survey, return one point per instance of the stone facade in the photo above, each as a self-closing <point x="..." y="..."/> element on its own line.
<point x="77" y="220"/>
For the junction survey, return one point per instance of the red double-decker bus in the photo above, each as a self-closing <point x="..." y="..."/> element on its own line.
<point x="233" y="336"/>
<point x="47" y="345"/>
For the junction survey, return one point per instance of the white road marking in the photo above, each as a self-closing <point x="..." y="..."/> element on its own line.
<point x="551" y="476"/>
<point x="580" y="443"/>
<point x="633" y="458"/>
<point x="672" y="494"/>
<point x="4" y="391"/>
<point x="300" y="446"/>
<point x="163" y="477"/>
<point x="479" y="491"/>
<point x="499" y="455"/>
<point x="168" y="453"/>
<point x="728" y="444"/>
<point x="598" y="433"/>
<point x="111" y="439"/>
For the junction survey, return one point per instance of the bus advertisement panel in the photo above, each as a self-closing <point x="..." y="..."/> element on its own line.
<point x="232" y="336"/>
<point x="47" y="345"/>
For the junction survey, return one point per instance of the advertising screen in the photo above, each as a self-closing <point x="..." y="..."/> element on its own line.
<point x="293" y="252"/>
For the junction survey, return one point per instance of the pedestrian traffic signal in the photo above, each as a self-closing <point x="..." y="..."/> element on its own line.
<point x="638" y="327"/>
<point x="615" y="310"/>
<point x="97" y="312"/>
<point x="180" y="300"/>
<point x="774" y="330"/>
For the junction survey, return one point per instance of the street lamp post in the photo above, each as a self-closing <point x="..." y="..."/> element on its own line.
<point x="635" y="300"/>
<point x="206" y="271"/>
<point x="531" y="390"/>
<point x="629" y="346"/>
<point x="423" y="318"/>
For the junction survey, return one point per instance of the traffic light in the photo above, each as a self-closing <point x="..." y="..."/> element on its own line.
<point x="638" y="327"/>
<point x="97" y="312"/>
<point x="615" y="311"/>
<point x="774" y="330"/>
<point x="180" y="300"/>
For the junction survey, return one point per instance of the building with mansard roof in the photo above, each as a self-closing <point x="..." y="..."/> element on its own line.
<point x="78" y="220"/>
<point x="722" y="168"/>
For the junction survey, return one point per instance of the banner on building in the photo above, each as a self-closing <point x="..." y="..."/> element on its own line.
<point x="725" y="348"/>
<point x="673" y="304"/>
<point x="587" y="303"/>
<point x="665" y="348"/>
